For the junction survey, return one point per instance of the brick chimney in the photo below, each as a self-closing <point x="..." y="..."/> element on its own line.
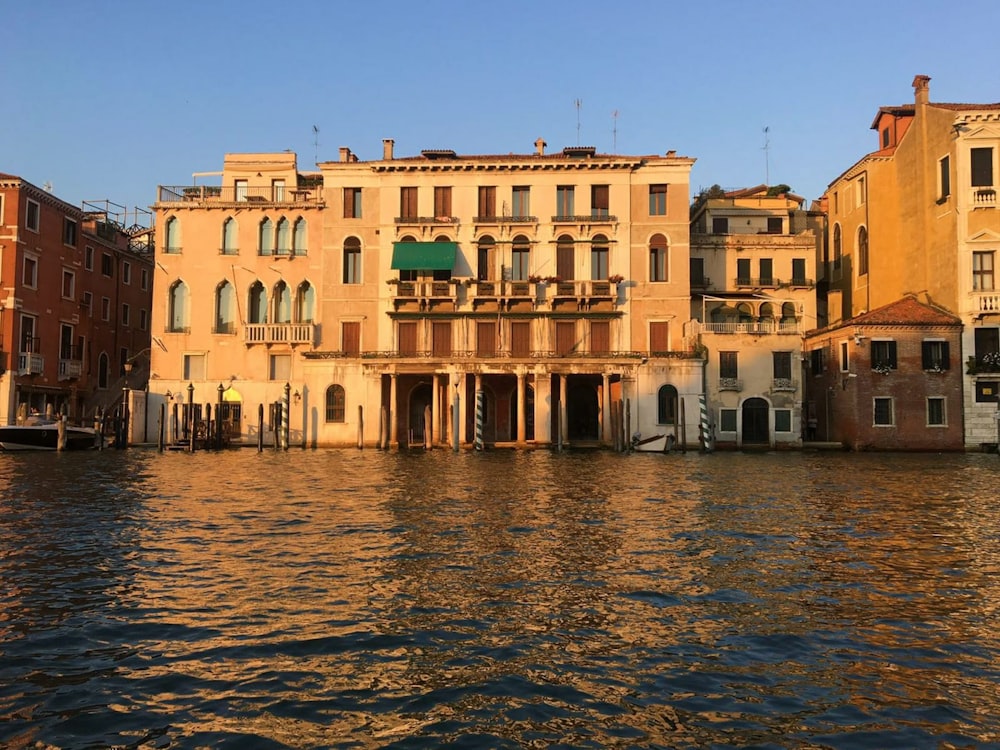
<point x="345" y="154"/>
<point x="540" y="147"/>
<point x="387" y="144"/>
<point x="922" y="89"/>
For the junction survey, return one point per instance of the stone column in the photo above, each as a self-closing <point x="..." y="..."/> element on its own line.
<point x="393" y="417"/>
<point x="522" y="427"/>
<point x="605" y="405"/>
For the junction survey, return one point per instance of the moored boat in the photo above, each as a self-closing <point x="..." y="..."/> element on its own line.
<point x="38" y="434"/>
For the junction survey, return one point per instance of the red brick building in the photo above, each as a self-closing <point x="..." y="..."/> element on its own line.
<point x="75" y="297"/>
<point x="888" y="379"/>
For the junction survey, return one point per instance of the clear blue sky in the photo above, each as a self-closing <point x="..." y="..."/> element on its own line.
<point x="107" y="100"/>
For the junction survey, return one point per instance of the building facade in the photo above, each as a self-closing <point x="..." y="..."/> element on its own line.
<point x="753" y="282"/>
<point x="919" y="216"/>
<point x="75" y="306"/>
<point x="537" y="298"/>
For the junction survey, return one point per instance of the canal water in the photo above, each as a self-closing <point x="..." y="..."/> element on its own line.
<point x="505" y="599"/>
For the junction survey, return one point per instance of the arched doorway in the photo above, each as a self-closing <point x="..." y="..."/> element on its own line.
<point x="231" y="414"/>
<point x="755" y="429"/>
<point x="583" y="410"/>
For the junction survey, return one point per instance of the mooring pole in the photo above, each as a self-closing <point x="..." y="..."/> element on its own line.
<point x="159" y="428"/>
<point x="260" y="428"/>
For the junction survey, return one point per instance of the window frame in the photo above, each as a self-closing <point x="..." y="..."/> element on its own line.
<point x="884" y="354"/>
<point x="729" y="364"/>
<point x="29" y="271"/>
<point x="335" y="404"/>
<point x="935" y="355"/>
<point x="940" y="418"/>
<point x="658" y="199"/>
<point x="887" y="403"/>
<point x="351" y="258"/>
<point x="32" y="215"/>
<point x="983" y="278"/>
<point x="944" y="178"/>
<point x="68" y="290"/>
<point x="352" y="203"/>
<point x="70" y="234"/>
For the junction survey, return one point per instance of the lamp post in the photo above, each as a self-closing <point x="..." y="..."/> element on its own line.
<point x="125" y="411"/>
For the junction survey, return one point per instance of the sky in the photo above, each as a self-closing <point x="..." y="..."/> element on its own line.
<point x="107" y="100"/>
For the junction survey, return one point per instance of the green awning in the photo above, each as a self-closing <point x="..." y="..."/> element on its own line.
<point x="424" y="256"/>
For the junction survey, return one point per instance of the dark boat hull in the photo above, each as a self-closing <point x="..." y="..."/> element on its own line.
<point x="45" y="438"/>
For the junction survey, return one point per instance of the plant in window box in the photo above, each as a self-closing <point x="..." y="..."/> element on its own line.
<point x="882" y="368"/>
<point x="533" y="279"/>
<point x="552" y="279"/>
<point x="616" y="278"/>
<point x="392" y="282"/>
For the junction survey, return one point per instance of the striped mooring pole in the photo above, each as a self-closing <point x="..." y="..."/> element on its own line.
<point x="704" y="426"/>
<point x="480" y="409"/>
<point x="284" y="416"/>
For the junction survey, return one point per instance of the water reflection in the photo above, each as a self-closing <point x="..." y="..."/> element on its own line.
<point x="509" y="599"/>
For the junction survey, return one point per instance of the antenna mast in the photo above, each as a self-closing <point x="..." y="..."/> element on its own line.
<point x="316" y="143"/>
<point x="614" y="132"/>
<point x="767" y="161"/>
<point x="578" y="103"/>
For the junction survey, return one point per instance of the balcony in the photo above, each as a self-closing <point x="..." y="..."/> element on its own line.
<point x="585" y="219"/>
<point x="983" y="197"/>
<point x="730" y="384"/>
<point x="279" y="333"/>
<point x="766" y="327"/>
<point x="419" y="220"/>
<point x="505" y="219"/>
<point x="216" y="195"/>
<point x="761" y="283"/>
<point x="29" y="363"/>
<point x="70" y="369"/>
<point x="783" y="384"/>
<point x="986" y="302"/>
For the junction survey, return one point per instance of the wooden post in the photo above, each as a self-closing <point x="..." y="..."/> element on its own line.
<point x="260" y="428"/>
<point x="428" y="429"/>
<point x="684" y="434"/>
<point x="628" y="426"/>
<point x="384" y="429"/>
<point x="61" y="434"/>
<point x="192" y="428"/>
<point x="159" y="428"/>
<point x="361" y="427"/>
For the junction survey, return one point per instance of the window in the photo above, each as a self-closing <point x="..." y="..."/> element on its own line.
<point x="486" y="339"/>
<point x="29" y="274"/>
<point x="171" y="236"/>
<point x="352" y="203"/>
<point x="720" y="225"/>
<point x="883" y="355"/>
<point x="284" y="237"/>
<point x="442" y="202"/>
<point x="657" y="200"/>
<point x="265" y="238"/>
<point x="299" y="234"/>
<point x="987" y="391"/>
<point x="600" y="337"/>
<point x="934" y="355"/>
<point x="487" y="201"/>
<point x="29" y="342"/>
<point x="799" y="272"/>
<point x="987" y="345"/>
<point x="845" y="359"/>
<point x="817" y="361"/>
<point x="728" y="367"/>
<point x="781" y="363"/>
<point x="520" y="338"/>
<point x="177" y="316"/>
<point x="32" y="216"/>
<point x="408" y="203"/>
<point x="230" y="240"/>
<point x="883" y="412"/>
<point x="774" y="224"/>
<point x="240" y="190"/>
<point x="659" y="337"/>
<point x="743" y="277"/>
<point x="697" y="269"/>
<point x="194" y="366"/>
<point x="862" y="191"/>
<point x="982" y="271"/>
<point x="88" y="258"/>
<point x="935" y="412"/>
<point x="599" y="258"/>
<point x="279" y="367"/>
<point x="666" y="405"/>
<point x="107" y="265"/>
<point x="406" y="334"/>
<point x="143" y="320"/>
<point x="782" y="420"/>
<point x="485" y="258"/>
<point x="336" y="403"/>
<point x="66" y="342"/>
<point x="144" y="279"/>
<point x="862" y="251"/>
<point x="982" y="167"/>
<point x="566" y="341"/>
<point x="599" y="202"/>
<point x="441" y="338"/>
<point x="520" y="258"/>
<point x="126" y="314"/>
<point x="564" y="201"/>
<point x="350" y="337"/>
<point x="126" y="272"/>
<point x="565" y="258"/>
<point x="277" y="190"/>
<point x="87" y="303"/>
<point x="282" y="303"/>
<point x="885" y="137"/>
<point x="727" y="420"/>
<point x="944" y="177"/>
<point x="521" y="199"/>
<point x="69" y="231"/>
<point x="838" y="250"/>
<point x="225" y="306"/>
<point x="658" y="258"/>
<point x="766" y="272"/>
<point x="105" y="308"/>
<point x="305" y="303"/>
<point x="352" y="260"/>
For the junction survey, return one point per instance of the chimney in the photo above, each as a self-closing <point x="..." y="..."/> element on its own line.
<point x="922" y="89"/>
<point x="345" y="154"/>
<point x="540" y="147"/>
<point x="387" y="144"/>
<point x="671" y="153"/>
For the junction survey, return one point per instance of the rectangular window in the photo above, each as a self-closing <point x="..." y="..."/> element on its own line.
<point x="240" y="190"/>
<point x="728" y="366"/>
<point x="659" y="337"/>
<point x="697" y="268"/>
<point x="486" y="339"/>
<point x="982" y="167"/>
<point x="720" y="225"/>
<point x="68" y="284"/>
<point x="352" y="265"/>
<point x="727" y="420"/>
<point x="987" y="391"/>
<point x="126" y="272"/>
<point x="798" y="271"/>
<point x="88" y="258"/>
<point x="599" y="202"/>
<point x="658" y="263"/>
<point x="441" y="338"/>
<point x="566" y="262"/>
<point x="408" y="203"/>
<point x="107" y="265"/>
<point x="565" y="338"/>
<point x="657" y="200"/>
<point x="598" y="262"/>
<point x="766" y="272"/>
<point x="883" y="355"/>
<point x="352" y="203"/>
<point x="935" y="355"/>
<point x="350" y="337"/>
<point x="442" y="202"/>
<point x="520" y="258"/>
<point x="277" y="190"/>
<point x="782" y="365"/>
<point x="29" y="275"/>
<point x="883" y="412"/>
<point x="69" y="232"/>
<point x="520" y="339"/>
<point x="521" y="199"/>
<point x="845" y="360"/>
<point x="743" y="277"/>
<point x="944" y="177"/>
<point x="487" y="201"/>
<point x="982" y="271"/>
<point x="987" y="346"/>
<point x="143" y="320"/>
<point x="817" y="361"/>
<point x="782" y="420"/>
<point x="774" y="224"/>
<point x="105" y="308"/>
<point x="407" y="339"/>
<point x="126" y="314"/>
<point x="935" y="412"/>
<point x="565" y="195"/>
<point x="862" y="191"/>
<point x="280" y="367"/>
<point x="885" y="137"/>
<point x="87" y="303"/>
<point x="32" y="216"/>
<point x="600" y="337"/>
<point x="194" y="367"/>
<point x="144" y="279"/>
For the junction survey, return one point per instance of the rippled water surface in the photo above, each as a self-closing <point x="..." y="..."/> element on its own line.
<point x="506" y="599"/>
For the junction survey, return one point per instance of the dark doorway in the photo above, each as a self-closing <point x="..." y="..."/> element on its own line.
<point x="583" y="410"/>
<point x="755" y="412"/>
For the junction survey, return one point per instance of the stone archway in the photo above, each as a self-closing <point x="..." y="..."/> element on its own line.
<point x="755" y="422"/>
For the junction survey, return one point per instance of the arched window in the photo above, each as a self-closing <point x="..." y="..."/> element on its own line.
<point x="335" y="404"/>
<point x="284" y="237"/>
<point x="862" y="251"/>
<point x="486" y="258"/>
<point x="766" y="311"/>
<point x="838" y="250"/>
<point x="305" y="303"/>
<point x="407" y="274"/>
<point x="172" y="235"/>
<point x="745" y="313"/>
<point x="565" y="258"/>
<point x="257" y="306"/>
<point x="230" y="242"/>
<point x="103" y="368"/>
<point x="520" y="258"/>
<point x="301" y="247"/>
<point x="177" y="314"/>
<point x="599" y="258"/>
<point x="225" y="308"/>
<point x="788" y="312"/>
<point x="658" y="258"/>
<point x="442" y="274"/>
<point x="265" y="241"/>
<point x="352" y="260"/>
<point x="282" y="303"/>
<point x="666" y="405"/>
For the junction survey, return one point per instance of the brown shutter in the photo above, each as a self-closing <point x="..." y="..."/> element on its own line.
<point x="407" y="333"/>
<point x="486" y="339"/>
<point x="441" y="333"/>
<point x="565" y="338"/>
<point x="659" y="337"/>
<point x="520" y="339"/>
<point x="564" y="262"/>
<point x="351" y="337"/>
<point x="600" y="337"/>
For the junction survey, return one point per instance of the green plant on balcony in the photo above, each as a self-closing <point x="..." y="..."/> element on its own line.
<point x="989" y="362"/>
<point x="391" y="282"/>
<point x="616" y="278"/>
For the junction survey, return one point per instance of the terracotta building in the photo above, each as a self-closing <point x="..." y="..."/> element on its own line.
<point x="919" y="216"/>
<point x="889" y="379"/>
<point x="369" y="299"/>
<point x="75" y="306"/>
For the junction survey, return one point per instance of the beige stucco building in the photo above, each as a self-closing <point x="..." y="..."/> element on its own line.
<point x="919" y="216"/>
<point x="369" y="299"/>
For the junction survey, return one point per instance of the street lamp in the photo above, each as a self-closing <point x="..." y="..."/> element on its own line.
<point x="125" y="415"/>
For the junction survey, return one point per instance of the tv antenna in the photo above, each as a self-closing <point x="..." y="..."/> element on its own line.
<point x="767" y="148"/>
<point x="578" y="103"/>
<point x="614" y="132"/>
<point x="316" y="143"/>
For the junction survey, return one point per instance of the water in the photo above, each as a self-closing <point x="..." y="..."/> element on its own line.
<point x="507" y="599"/>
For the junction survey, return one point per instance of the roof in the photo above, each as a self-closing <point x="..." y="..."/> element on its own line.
<point x="907" y="311"/>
